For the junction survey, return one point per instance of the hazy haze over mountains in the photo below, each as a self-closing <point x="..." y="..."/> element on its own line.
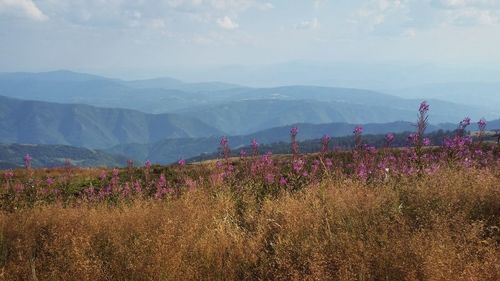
<point x="229" y="108"/>
<point x="203" y="40"/>
<point x="164" y="78"/>
<point x="167" y="119"/>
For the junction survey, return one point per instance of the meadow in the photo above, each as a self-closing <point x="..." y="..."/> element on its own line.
<point x="423" y="212"/>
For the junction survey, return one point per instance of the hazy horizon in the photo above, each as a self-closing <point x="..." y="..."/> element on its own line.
<point x="202" y="40"/>
<point x="425" y="49"/>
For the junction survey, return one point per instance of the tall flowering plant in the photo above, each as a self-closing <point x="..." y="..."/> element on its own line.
<point x="462" y="126"/>
<point x="458" y="146"/>
<point x="359" y="153"/>
<point x="255" y="147"/>
<point x="130" y="168"/>
<point x="224" y="144"/>
<point x="422" y="123"/>
<point x="226" y="153"/>
<point x="294" y="145"/>
<point x="482" y="128"/>
<point x="358" y="132"/>
<point x="417" y="138"/>
<point x="27" y="161"/>
<point x="389" y="139"/>
<point x="325" y="142"/>
<point x="147" y="171"/>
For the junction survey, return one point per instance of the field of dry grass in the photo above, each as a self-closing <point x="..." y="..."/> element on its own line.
<point x="443" y="226"/>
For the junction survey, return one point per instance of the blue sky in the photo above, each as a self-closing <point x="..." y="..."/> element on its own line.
<point x="148" y="38"/>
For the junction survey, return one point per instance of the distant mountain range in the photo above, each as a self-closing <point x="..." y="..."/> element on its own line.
<point x="77" y="88"/>
<point x="87" y="126"/>
<point x="174" y="84"/>
<point x="229" y="108"/>
<point x="362" y="75"/>
<point x="166" y="119"/>
<point x="11" y="156"/>
<point x="486" y="95"/>
<point x="245" y="117"/>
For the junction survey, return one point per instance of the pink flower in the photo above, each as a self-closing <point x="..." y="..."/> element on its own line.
<point x="243" y="153"/>
<point x="223" y="141"/>
<point x="225" y="148"/>
<point x="389" y="138"/>
<point x="181" y="162"/>
<point x="297" y="165"/>
<point x="269" y="178"/>
<point x="126" y="190"/>
<point x="358" y="130"/>
<point x="481" y="124"/>
<point x="413" y="138"/>
<point x="50" y="181"/>
<point x="363" y="170"/>
<point x="283" y="181"/>
<point x="254" y="144"/>
<point x="294" y="145"/>
<point x="27" y="161"/>
<point x="162" y="182"/>
<point x="464" y="123"/>
<point x="161" y="187"/>
<point x="137" y="187"/>
<point x="325" y="141"/>
<point x="8" y="174"/>
<point x="424" y="107"/>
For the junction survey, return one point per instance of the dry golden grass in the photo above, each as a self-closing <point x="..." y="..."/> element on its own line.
<point x="439" y="227"/>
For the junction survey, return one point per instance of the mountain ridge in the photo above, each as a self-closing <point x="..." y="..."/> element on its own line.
<point x="38" y="122"/>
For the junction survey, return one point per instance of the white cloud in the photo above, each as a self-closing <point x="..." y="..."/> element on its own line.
<point x="469" y="12"/>
<point x="154" y="24"/>
<point x="456" y="4"/>
<point x="308" y="24"/>
<point x="223" y="5"/>
<point x="25" y="7"/>
<point x="377" y="12"/>
<point x="266" y="6"/>
<point x="186" y="14"/>
<point x="227" y="23"/>
<point x="472" y="17"/>
<point x="409" y="33"/>
<point x="317" y="3"/>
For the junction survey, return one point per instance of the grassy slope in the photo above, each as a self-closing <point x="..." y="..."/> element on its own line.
<point x="443" y="226"/>
<point x="11" y="156"/>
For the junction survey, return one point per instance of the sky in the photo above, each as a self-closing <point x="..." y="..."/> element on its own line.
<point x="127" y="38"/>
